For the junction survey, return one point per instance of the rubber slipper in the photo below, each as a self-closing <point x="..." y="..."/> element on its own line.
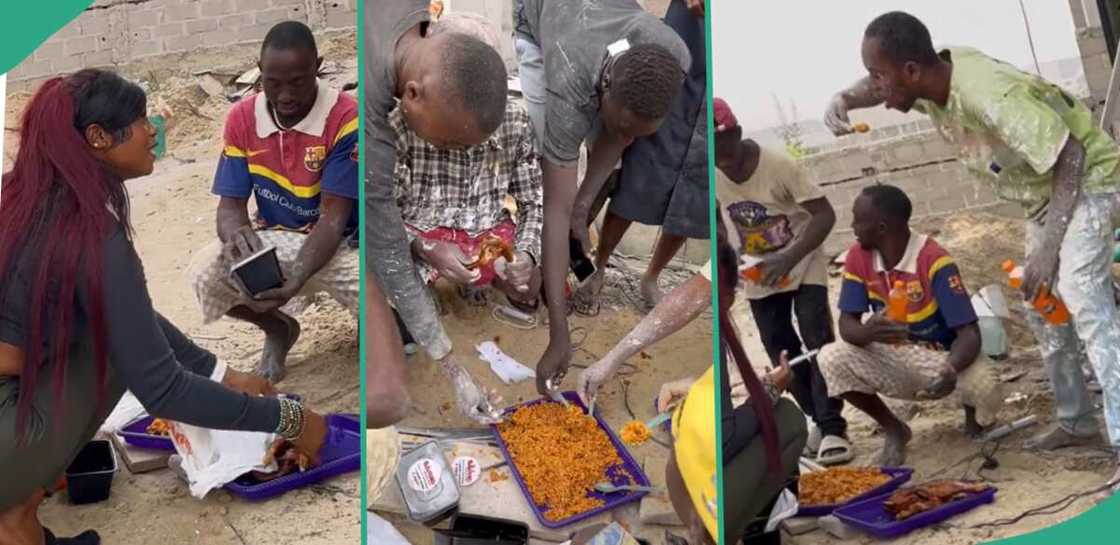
<point x="834" y="450"/>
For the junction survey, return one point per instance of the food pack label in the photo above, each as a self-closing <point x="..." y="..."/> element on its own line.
<point x="424" y="475"/>
<point x="467" y="470"/>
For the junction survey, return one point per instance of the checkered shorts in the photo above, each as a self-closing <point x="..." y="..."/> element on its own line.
<point x="217" y="293"/>
<point x="902" y="371"/>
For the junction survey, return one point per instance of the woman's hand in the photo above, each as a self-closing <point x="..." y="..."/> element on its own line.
<point x="248" y="383"/>
<point x="307" y="445"/>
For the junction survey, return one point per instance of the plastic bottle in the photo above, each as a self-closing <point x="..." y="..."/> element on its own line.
<point x="897" y="301"/>
<point x="1050" y="307"/>
<point x="754" y="274"/>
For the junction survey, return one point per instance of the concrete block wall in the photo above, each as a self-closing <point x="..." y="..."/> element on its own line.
<point x="499" y="13"/>
<point x="113" y="32"/>
<point x="921" y="164"/>
<point x="1094" y="50"/>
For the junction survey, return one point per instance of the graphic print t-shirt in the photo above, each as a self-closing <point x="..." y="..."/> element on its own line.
<point x="764" y="214"/>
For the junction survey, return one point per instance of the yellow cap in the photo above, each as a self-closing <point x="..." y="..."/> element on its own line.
<point x="694" y="431"/>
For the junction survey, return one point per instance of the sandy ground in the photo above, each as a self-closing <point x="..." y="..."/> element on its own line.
<point x="687" y="353"/>
<point x="173" y="215"/>
<point x="979" y="242"/>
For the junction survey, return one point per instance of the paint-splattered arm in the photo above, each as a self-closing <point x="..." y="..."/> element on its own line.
<point x="1042" y="266"/>
<point x="860" y="95"/>
<point x="679" y="307"/>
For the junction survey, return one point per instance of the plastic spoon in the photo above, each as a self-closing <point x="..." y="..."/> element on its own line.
<point x="608" y="488"/>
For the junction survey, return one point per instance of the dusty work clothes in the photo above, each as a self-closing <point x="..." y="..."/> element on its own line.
<point x="562" y="51"/>
<point x="903" y="371"/>
<point x="466" y="189"/>
<point x="664" y="176"/>
<point x="1085" y="286"/>
<point x="217" y="293"/>
<point x="1010" y="127"/>
<point x="389" y="256"/>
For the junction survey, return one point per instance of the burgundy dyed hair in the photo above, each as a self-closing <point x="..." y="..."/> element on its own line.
<point x="59" y="205"/>
<point x="727" y="261"/>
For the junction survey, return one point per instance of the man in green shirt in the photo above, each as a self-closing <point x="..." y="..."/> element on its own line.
<point x="1039" y="147"/>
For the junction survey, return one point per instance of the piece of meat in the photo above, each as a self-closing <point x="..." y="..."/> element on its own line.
<point x="912" y="500"/>
<point x="288" y="461"/>
<point x="160" y="427"/>
<point x="491" y="248"/>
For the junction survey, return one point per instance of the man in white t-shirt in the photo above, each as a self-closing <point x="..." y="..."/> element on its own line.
<point x="780" y="219"/>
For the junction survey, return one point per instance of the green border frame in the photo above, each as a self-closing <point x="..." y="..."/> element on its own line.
<point x="362" y="348"/>
<point x="27" y="25"/>
<point x="713" y="212"/>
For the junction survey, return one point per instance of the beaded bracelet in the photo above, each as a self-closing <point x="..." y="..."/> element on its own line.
<point x="291" y="419"/>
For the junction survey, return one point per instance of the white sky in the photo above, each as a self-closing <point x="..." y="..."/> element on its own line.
<point x="806" y="50"/>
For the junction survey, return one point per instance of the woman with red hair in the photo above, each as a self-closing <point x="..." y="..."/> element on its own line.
<point x="77" y="327"/>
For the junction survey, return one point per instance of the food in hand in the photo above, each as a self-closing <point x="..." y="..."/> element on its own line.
<point x="160" y="427"/>
<point x="561" y="453"/>
<point x="913" y="500"/>
<point x="635" y="432"/>
<point x="839" y="484"/>
<point x="861" y="127"/>
<point x="288" y="460"/>
<point x="492" y="248"/>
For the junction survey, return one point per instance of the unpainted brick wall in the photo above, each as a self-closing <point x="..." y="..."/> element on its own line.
<point x="922" y="164"/>
<point x="113" y="32"/>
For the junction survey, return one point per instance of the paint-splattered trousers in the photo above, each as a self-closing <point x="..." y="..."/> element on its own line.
<point x="217" y="293"/>
<point x="1085" y="285"/>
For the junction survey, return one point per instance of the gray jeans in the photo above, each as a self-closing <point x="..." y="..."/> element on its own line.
<point x="1085" y="285"/>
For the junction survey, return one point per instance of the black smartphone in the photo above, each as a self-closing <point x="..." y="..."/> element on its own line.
<point x="258" y="272"/>
<point x="580" y="264"/>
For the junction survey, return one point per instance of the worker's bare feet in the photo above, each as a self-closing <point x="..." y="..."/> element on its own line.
<point x="586" y="299"/>
<point x="650" y="291"/>
<point x="972" y="427"/>
<point x="895" y="440"/>
<point x="1058" y="438"/>
<point x="277" y="343"/>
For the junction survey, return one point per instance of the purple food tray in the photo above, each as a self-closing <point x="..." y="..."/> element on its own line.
<point x="870" y="515"/>
<point x="136" y="433"/>
<point x="341" y="453"/>
<point x="899" y="475"/>
<point x="628" y="472"/>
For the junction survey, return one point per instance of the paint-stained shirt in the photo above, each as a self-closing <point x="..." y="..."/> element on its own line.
<point x="573" y="36"/>
<point x="1010" y="126"/>
<point x="466" y="188"/>
<point x="938" y="301"/>
<point x="286" y="171"/>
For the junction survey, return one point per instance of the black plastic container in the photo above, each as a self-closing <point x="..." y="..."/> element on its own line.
<point x="90" y="476"/>
<point x="480" y="530"/>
